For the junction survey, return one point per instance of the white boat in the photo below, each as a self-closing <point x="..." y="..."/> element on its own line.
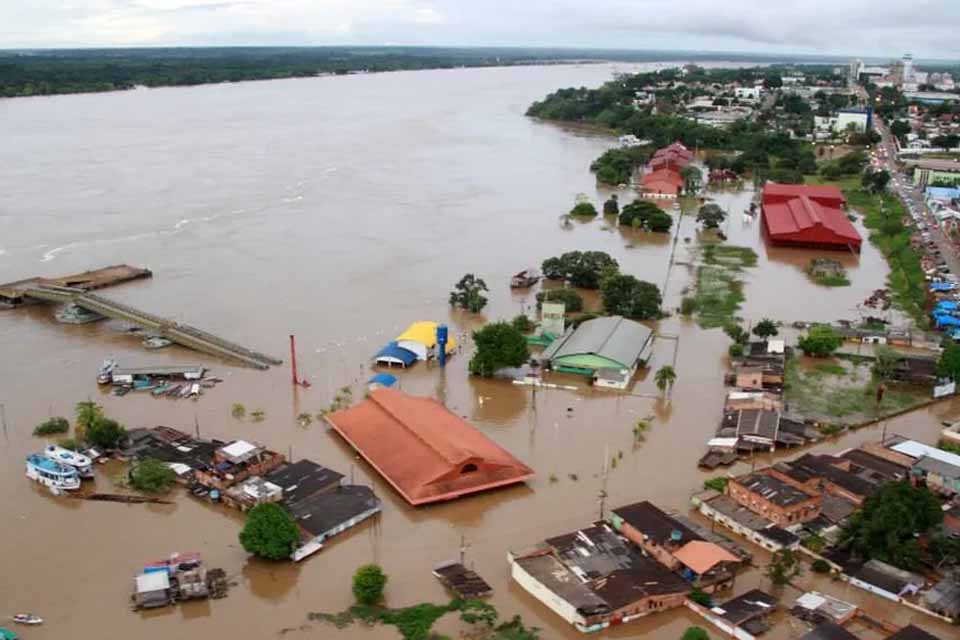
<point x="27" y="618"/>
<point x="57" y="477"/>
<point x="105" y="375"/>
<point x="78" y="461"/>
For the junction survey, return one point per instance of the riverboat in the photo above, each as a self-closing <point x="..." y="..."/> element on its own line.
<point x="73" y="314"/>
<point x="156" y="342"/>
<point x="53" y="475"/>
<point x="27" y="618"/>
<point x="66" y="457"/>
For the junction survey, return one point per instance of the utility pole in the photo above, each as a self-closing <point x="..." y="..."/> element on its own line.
<point x="603" y="491"/>
<point x="463" y="549"/>
<point x="3" y="420"/>
<point x="196" y="424"/>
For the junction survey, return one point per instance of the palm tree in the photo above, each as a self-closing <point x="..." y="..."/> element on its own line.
<point x="665" y="377"/>
<point x="87" y="412"/>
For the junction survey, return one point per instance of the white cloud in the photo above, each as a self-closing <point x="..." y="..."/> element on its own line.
<point x="869" y="27"/>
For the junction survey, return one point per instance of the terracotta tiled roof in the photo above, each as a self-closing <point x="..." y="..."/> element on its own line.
<point x="701" y="556"/>
<point x="426" y="452"/>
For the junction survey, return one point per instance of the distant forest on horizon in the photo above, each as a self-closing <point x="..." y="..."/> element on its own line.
<point x="32" y="72"/>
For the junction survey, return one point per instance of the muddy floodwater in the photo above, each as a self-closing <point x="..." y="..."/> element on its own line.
<point x="341" y="209"/>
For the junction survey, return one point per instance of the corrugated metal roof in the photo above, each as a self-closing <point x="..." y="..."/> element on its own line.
<point x="613" y="337"/>
<point x="916" y="449"/>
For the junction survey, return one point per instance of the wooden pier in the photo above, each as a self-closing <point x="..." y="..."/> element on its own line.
<point x="182" y="334"/>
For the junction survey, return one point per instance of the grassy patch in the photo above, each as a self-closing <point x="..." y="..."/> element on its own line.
<point x="719" y="290"/>
<point x="831" y="392"/>
<point x="883" y="215"/>
<point x="831" y="368"/>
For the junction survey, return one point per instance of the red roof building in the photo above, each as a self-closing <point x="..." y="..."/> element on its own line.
<point x="662" y="182"/>
<point x="427" y="453"/>
<point x="807" y="216"/>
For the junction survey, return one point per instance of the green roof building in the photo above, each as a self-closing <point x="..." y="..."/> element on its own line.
<point x="608" y="343"/>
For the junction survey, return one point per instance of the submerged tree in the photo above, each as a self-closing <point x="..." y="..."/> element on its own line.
<point x="368" y="583"/>
<point x="498" y="345"/>
<point x="627" y="296"/>
<point x="269" y="532"/>
<point x="711" y="216"/>
<point x="468" y="293"/>
<point x="821" y="340"/>
<point x="665" y="377"/>
<point x="612" y="206"/>
<point x="784" y="566"/>
<point x="766" y="328"/>
<point x="152" y="476"/>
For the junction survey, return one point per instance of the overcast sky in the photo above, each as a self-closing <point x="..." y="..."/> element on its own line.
<point x="886" y="28"/>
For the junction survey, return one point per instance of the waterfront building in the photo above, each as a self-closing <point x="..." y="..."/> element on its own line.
<point x="425" y="451"/>
<point x="808" y="216"/>
<point x="772" y="498"/>
<point x="610" y="342"/>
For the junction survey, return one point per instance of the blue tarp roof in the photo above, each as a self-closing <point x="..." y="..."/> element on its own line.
<point x="383" y="379"/>
<point x="946" y="305"/>
<point x="392" y="350"/>
<point x="942" y="286"/>
<point x="948" y="321"/>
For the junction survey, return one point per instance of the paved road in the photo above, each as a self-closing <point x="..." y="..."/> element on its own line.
<point x="901" y="184"/>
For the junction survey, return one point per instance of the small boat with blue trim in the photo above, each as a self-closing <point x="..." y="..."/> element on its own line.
<point x="57" y="477"/>
<point x="78" y="461"/>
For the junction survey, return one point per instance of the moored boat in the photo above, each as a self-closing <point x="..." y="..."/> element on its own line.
<point x="73" y="314"/>
<point x="78" y="461"/>
<point x="524" y="279"/>
<point x="156" y="342"/>
<point x="57" y="477"/>
<point x="27" y="618"/>
<point x="105" y="374"/>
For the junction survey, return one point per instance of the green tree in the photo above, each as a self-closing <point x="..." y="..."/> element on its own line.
<point x="784" y="566"/>
<point x="886" y="361"/>
<point x="692" y="177"/>
<point x="643" y="214"/>
<point x="105" y="433"/>
<point x="694" y="633"/>
<point x="583" y="269"/>
<point x="766" y="328"/>
<point x="821" y="341"/>
<point x="711" y="216"/>
<point x="87" y="412"/>
<point x="269" y="532"/>
<point x="572" y="300"/>
<point x="468" y="293"/>
<point x="735" y="350"/>
<point x="368" y="583"/>
<point x="152" y="476"/>
<point x="498" y="345"/>
<point x="52" y="426"/>
<point x="522" y="323"/>
<point x="701" y="597"/>
<point x="238" y="411"/>
<point x="583" y="210"/>
<point x="900" y="128"/>
<point x="875" y="181"/>
<point x="612" y="206"/>
<point x="737" y="333"/>
<point x="625" y="295"/>
<point x="479" y="613"/>
<point x="665" y="377"/>
<point x="887" y="526"/>
<point x="949" y="364"/>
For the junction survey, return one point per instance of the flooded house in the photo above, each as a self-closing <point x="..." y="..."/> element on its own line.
<point x="770" y="497"/>
<point x="320" y="504"/>
<point x="426" y="452"/>
<point x="184" y="453"/>
<point x="749" y="611"/>
<point x="235" y="462"/>
<point x="593" y="578"/>
<point x="600" y="348"/>
<point x="675" y="546"/>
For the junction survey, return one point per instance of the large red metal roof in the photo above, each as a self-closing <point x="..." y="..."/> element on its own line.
<point x="803" y="214"/>
<point x="425" y="451"/>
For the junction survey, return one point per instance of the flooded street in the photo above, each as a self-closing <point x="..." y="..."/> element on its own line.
<point x="341" y="209"/>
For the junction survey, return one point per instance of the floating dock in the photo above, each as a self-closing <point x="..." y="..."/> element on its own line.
<point x="182" y="334"/>
<point x="13" y="294"/>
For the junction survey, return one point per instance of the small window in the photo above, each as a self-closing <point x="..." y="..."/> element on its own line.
<point x="468" y="468"/>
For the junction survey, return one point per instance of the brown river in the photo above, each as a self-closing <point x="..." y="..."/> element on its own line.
<point x="341" y="209"/>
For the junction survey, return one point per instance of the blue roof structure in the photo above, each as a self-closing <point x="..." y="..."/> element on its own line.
<point x="942" y="286"/>
<point x="943" y="193"/>
<point x="947" y="321"/>
<point x="393" y="353"/>
<point x="946" y="305"/>
<point x="383" y="379"/>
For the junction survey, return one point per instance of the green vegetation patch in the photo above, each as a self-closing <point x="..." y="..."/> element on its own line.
<point x="883" y="215"/>
<point x="832" y="393"/>
<point x="719" y="290"/>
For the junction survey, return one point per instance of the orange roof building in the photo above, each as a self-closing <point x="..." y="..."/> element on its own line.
<point x="427" y="453"/>
<point x="701" y="556"/>
<point x="662" y="182"/>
